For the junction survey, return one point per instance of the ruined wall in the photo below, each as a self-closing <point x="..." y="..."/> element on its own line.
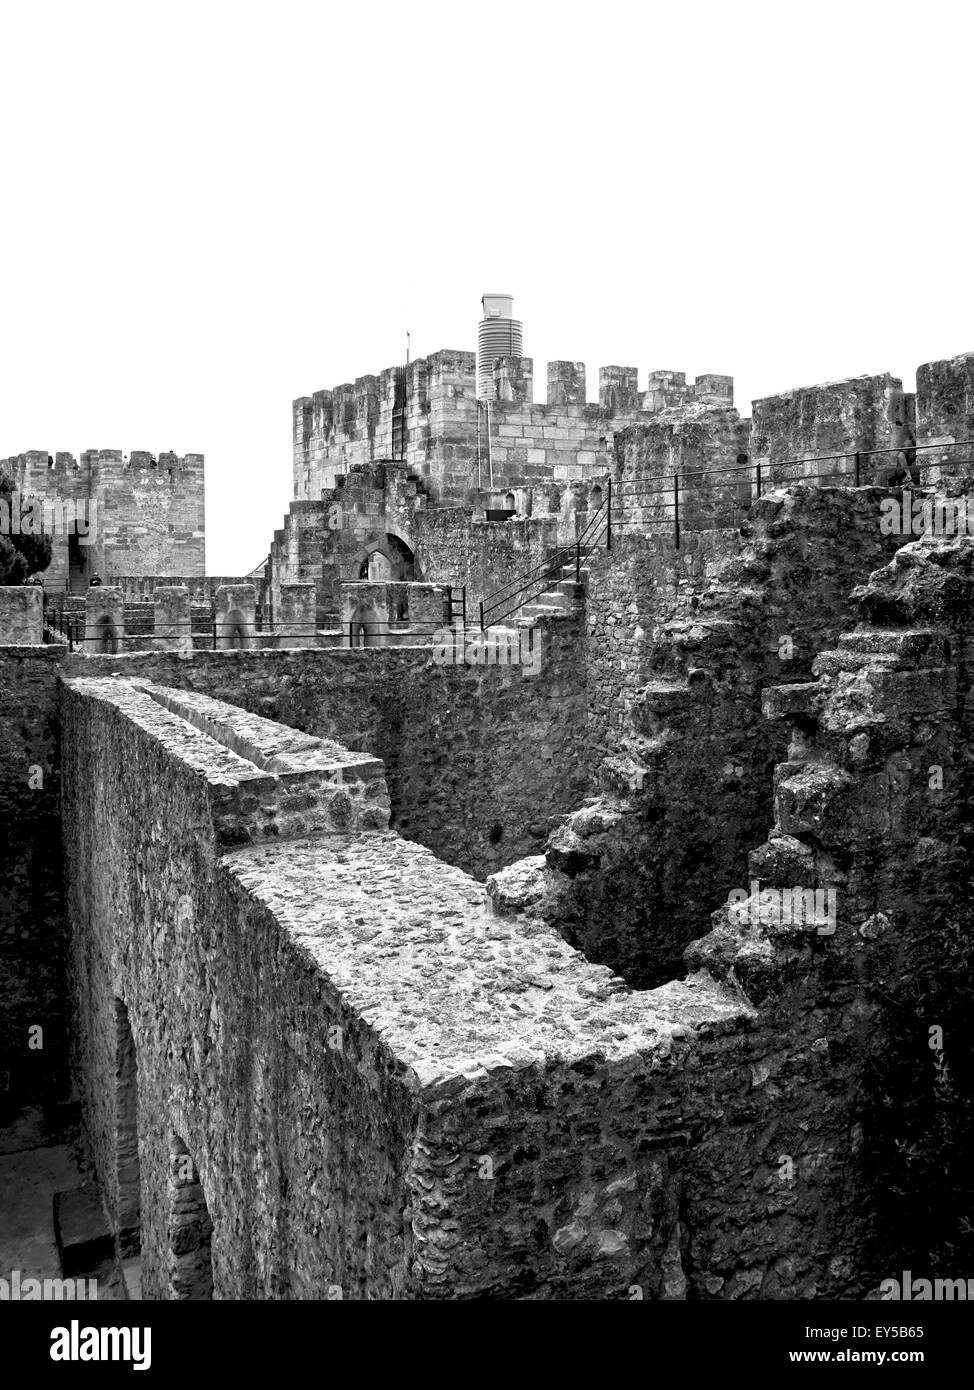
<point x="681" y="646"/>
<point x="861" y="414"/>
<point x="686" y="469"/>
<point x="32" y="939"/>
<point x="482" y="555"/>
<point x="388" y="1090"/>
<point x="477" y="759"/>
<point x="847" y="1150"/>
<point x="873" y="805"/>
<point x="383" y="1089"/>
<point x="945" y="418"/>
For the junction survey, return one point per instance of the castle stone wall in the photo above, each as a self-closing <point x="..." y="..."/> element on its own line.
<point x="446" y="432"/>
<point x="138" y="514"/>
<point x="862" y="413"/>
<point x="477" y="758"/>
<point x="682" y="642"/>
<point x="429" y="1130"/>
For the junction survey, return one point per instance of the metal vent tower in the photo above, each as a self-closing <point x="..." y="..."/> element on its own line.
<point x="499" y="335"/>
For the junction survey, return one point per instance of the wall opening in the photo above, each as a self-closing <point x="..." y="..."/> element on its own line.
<point x="364" y="628"/>
<point x="106" y="638"/>
<point x="128" y="1208"/>
<point x="190" y="1228"/>
<point x="380" y="567"/>
<point x="77" y="564"/>
<point x="234" y="629"/>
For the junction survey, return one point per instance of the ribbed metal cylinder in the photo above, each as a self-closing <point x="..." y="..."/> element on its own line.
<point x="498" y="335"/>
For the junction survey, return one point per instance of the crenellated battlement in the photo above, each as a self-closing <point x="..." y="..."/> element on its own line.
<point x="428" y="415"/>
<point x="143" y="511"/>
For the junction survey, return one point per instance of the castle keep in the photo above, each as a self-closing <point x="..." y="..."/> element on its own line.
<point x="383" y="974"/>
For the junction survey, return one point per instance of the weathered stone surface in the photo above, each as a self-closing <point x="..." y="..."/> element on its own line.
<point x="477" y="758"/>
<point x="113" y="515"/>
<point x="423" y="1061"/>
<point x="683" y="646"/>
<point x="21" y="615"/>
<point x="794" y="433"/>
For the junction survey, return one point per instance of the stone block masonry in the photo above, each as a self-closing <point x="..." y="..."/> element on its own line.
<point x="790" y="432"/>
<point x="427" y="1064"/>
<point x="442" y="432"/>
<point x="21" y="615"/>
<point x="141" y="514"/>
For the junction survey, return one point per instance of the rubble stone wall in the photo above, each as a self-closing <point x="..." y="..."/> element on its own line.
<point x="478" y="758"/>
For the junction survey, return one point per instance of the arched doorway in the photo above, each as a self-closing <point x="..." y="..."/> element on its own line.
<point x="380" y="568"/>
<point x="386" y="560"/>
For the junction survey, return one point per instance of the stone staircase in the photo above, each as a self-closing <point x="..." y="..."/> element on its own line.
<point x="564" y="599"/>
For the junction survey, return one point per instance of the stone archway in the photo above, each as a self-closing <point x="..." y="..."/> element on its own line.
<point x="380" y="567"/>
<point x="384" y="559"/>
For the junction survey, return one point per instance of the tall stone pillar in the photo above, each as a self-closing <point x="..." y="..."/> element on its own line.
<point x="172" y="619"/>
<point x="295" y="622"/>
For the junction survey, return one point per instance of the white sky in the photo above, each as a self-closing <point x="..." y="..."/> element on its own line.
<point x="209" y="209"/>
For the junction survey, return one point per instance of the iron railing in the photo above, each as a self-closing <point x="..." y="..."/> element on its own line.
<point x="670" y="492"/>
<point x="671" y="488"/>
<point x="502" y="602"/>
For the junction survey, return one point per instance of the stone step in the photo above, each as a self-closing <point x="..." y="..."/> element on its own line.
<point x="911" y="646"/>
<point x="530" y="611"/>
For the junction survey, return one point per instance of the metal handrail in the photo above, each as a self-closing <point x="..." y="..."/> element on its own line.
<point x="581" y="552"/>
<point x="615" y="509"/>
<point x="551" y="568"/>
